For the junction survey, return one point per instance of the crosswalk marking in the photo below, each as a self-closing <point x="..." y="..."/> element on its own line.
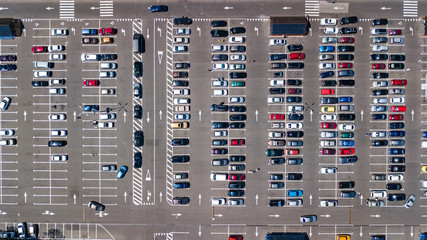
<point x="312" y="7"/>
<point x="66" y="9"/>
<point x="106" y="8"/>
<point x="410" y="8"/>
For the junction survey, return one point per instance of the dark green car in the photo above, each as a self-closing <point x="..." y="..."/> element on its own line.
<point x="347" y="135"/>
<point x="238" y="84"/>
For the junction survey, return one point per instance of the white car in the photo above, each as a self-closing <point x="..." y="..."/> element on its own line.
<point x="5" y="103"/>
<point x="277" y="83"/>
<point x="58" y="133"/>
<point x="328" y="203"/>
<point x="327" y="143"/>
<point x="238" y="66"/>
<point x="329" y="117"/>
<point x="180" y="48"/>
<point x="379" y="134"/>
<point x="238" y="57"/>
<point x="236" y="100"/>
<point x="296" y="108"/>
<point x="219" y="83"/>
<point x="328" y="134"/>
<point x="220" y="92"/>
<point x="328" y="22"/>
<point x="330" y="30"/>
<point x="294" y="202"/>
<point x="222" y="133"/>
<point x="396" y="40"/>
<point x="410" y="201"/>
<point x="277" y="42"/>
<point x="378" y="193"/>
<point x="379" y="48"/>
<point x="236" y="39"/>
<point x="344" y="127"/>
<point x="326" y="66"/>
<point x="181" y="101"/>
<point x="7" y="132"/>
<point x="59" y="158"/>
<point x="57" y="57"/>
<point x="380" y="100"/>
<point x="328" y="170"/>
<point x="108" y="91"/>
<point x="276" y="134"/>
<point x="106" y="124"/>
<point x="8" y="142"/>
<point x="218" y="201"/>
<point x="182" y="116"/>
<point x="219" y="48"/>
<point x="55" y="48"/>
<point x="107" y="116"/>
<point x="183" y="31"/>
<point x="294" y="125"/>
<point x="184" y="91"/>
<point x="275" y="100"/>
<point x="42" y="74"/>
<point x="181" y="40"/>
<point x="222" y="66"/>
<point x="329" y="40"/>
<point x="57" y="91"/>
<point x="395" y="177"/>
<point x="57" y="82"/>
<point x="57" y="116"/>
<point x="236" y="201"/>
<point x="397" y="100"/>
<point x="59" y="32"/>
<point x="380" y="84"/>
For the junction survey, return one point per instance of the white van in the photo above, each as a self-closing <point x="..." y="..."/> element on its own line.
<point x="90" y="57"/>
<point x="219" y="176"/>
<point x="424" y="144"/>
<point x="40" y="64"/>
<point x="108" y="65"/>
<point x="107" y="116"/>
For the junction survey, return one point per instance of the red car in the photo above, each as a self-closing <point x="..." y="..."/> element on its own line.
<point x="398" y="109"/>
<point x="378" y="66"/>
<point x="236" y="177"/>
<point x="294" y="91"/>
<point x="345" y="65"/>
<point x="296" y="56"/>
<point x="346" y="40"/>
<point x="107" y="31"/>
<point x="292" y="151"/>
<point x="39" y="49"/>
<point x="328" y="125"/>
<point x="399" y="82"/>
<point x="395" y="32"/>
<point x="395" y="117"/>
<point x="234" y="142"/>
<point x="346" y="151"/>
<point x="277" y="116"/>
<point x="91" y="83"/>
<point x="235" y="237"/>
<point x="327" y="151"/>
<point x="328" y="91"/>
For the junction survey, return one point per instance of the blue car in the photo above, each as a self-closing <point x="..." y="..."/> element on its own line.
<point x="326" y="49"/>
<point x="159" y="8"/>
<point x="327" y="74"/>
<point x="294" y="193"/>
<point x="346" y="143"/>
<point x="122" y="171"/>
<point x="397" y="133"/>
<point x="181" y="185"/>
<point x="425" y="134"/>
<point x="90" y="108"/>
<point x="345" y="99"/>
<point x="396" y="151"/>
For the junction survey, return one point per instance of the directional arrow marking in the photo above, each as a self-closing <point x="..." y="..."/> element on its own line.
<point x="161" y="196"/>
<point x="147" y="176"/>
<point x="160" y="56"/>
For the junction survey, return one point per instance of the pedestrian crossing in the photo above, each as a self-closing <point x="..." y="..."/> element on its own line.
<point x="106" y="8"/>
<point x="312" y="7"/>
<point x="410" y="8"/>
<point x="66" y="9"/>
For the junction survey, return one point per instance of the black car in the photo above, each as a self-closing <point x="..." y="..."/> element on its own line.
<point x="293" y="176"/>
<point x="397" y="57"/>
<point x="329" y="83"/>
<point x="180" y="141"/>
<point x="182" y="21"/>
<point x="278" y="65"/>
<point x="379" y="56"/>
<point x="235" y="193"/>
<point x="40" y="83"/>
<point x="237" y="30"/>
<point x="397" y="159"/>
<point x="379" y="143"/>
<point x="379" y="21"/>
<point x="295" y="47"/>
<point x="137" y="160"/>
<point x="348" y="57"/>
<point x="326" y="100"/>
<point x="348" y="30"/>
<point x="295" y="134"/>
<point x="219" y="33"/>
<point x="237" y="125"/>
<point x="236" y="185"/>
<point x="237" y="117"/>
<point x="396" y="168"/>
<point x="237" y="48"/>
<point x="294" y="99"/>
<point x="294" y="161"/>
<point x="396" y="197"/>
<point x="349" y="82"/>
<point x="181" y="200"/>
<point x="275" y="57"/>
<point x="8" y="58"/>
<point x="137" y="69"/>
<point x="393" y="186"/>
<point x="378" y="92"/>
<point x="342" y="48"/>
<point x="396" y="66"/>
<point x="180" y="159"/>
<point x="278" y="74"/>
<point x="276" y="203"/>
<point x="277" y="90"/>
<point x="217" y="125"/>
<point x="352" y="159"/>
<point x="346" y="117"/>
<point x="237" y="75"/>
<point x="378" y="116"/>
<point x="182" y="65"/>
<point x="137" y="111"/>
<point x="138" y="138"/>
<point x="219" y="23"/>
<point x="11" y="67"/>
<point x="94" y="205"/>
<point x="349" y="20"/>
<point x="294" y="82"/>
<point x="346" y="184"/>
<point x="219" y="107"/>
<point x="398" y="125"/>
<point x="108" y="56"/>
<point x="180" y="83"/>
<point x="379" y="75"/>
<point x="219" y="57"/>
<point x="327" y="74"/>
<point x="57" y="143"/>
<point x="298" y="65"/>
<point x="237" y="158"/>
<point x="296" y="116"/>
<point x="237" y="109"/>
<point x="158" y="8"/>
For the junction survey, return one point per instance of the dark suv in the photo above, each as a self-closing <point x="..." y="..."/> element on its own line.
<point x="237" y="30"/>
<point x="349" y="20"/>
<point x="219" y="23"/>
<point x="138" y="138"/>
<point x="182" y="21"/>
<point x="137" y="69"/>
<point x="219" y="33"/>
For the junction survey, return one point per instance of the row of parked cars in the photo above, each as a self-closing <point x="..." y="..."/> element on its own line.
<point x="5" y="102"/>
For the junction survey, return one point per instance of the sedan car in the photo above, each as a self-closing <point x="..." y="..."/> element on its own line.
<point x="5" y="103"/>
<point x="294" y="125"/>
<point x="158" y="8"/>
<point x="96" y="205"/>
<point x="308" y="218"/>
<point x="328" y="170"/>
<point x="122" y="172"/>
